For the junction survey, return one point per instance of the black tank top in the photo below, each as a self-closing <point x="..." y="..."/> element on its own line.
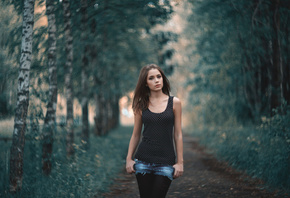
<point x="157" y="143"/>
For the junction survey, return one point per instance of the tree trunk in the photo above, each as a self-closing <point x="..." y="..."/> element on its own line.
<point x="269" y="76"/>
<point x="277" y="93"/>
<point x="97" y="117"/>
<point x="287" y="65"/>
<point x="250" y="84"/>
<point x="85" y="61"/>
<point x="265" y="77"/>
<point x="49" y="122"/>
<point x="115" y="111"/>
<point x="68" y="76"/>
<point x="114" y="107"/>
<point x="104" y="114"/>
<point x="93" y="58"/>
<point x="101" y="118"/>
<point x="109" y="102"/>
<point x="17" y="147"/>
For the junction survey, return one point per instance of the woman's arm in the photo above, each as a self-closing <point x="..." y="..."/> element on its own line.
<point x="178" y="138"/>
<point x="134" y="142"/>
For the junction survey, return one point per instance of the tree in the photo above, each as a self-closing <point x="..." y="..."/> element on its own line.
<point x="277" y="69"/>
<point x="8" y="56"/>
<point x="68" y="76"/>
<point x="120" y="49"/>
<point x="243" y="57"/>
<point x="50" y="119"/>
<point x="85" y="63"/>
<point x="17" y="147"/>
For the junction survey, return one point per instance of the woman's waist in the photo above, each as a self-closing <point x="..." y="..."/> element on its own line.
<point x="161" y="140"/>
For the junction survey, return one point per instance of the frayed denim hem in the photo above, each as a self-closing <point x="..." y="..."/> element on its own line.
<point x="157" y="169"/>
<point x="143" y="173"/>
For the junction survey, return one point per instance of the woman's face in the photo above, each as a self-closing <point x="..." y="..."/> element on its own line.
<point x="154" y="80"/>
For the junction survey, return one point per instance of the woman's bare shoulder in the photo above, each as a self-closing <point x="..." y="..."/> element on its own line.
<point x="176" y="100"/>
<point x="176" y="104"/>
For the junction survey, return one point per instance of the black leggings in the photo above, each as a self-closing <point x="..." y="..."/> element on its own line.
<point x="152" y="186"/>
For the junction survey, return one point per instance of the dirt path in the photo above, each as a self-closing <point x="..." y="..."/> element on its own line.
<point x="204" y="177"/>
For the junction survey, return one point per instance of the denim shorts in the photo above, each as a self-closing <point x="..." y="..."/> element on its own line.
<point x="157" y="169"/>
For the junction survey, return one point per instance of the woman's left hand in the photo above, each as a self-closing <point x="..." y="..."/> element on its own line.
<point x="178" y="170"/>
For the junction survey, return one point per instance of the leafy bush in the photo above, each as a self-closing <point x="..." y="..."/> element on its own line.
<point x="262" y="151"/>
<point x="89" y="173"/>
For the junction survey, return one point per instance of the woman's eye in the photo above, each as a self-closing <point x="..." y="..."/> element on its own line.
<point x="158" y="76"/>
<point x="150" y="78"/>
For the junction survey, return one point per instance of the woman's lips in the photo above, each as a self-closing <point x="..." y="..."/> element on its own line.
<point x="157" y="86"/>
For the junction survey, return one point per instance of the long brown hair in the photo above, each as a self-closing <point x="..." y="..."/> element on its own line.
<point x="142" y="92"/>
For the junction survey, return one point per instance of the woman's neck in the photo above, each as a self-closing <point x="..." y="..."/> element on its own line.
<point x="157" y="94"/>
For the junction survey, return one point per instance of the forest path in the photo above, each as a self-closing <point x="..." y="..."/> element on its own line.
<point x="204" y="177"/>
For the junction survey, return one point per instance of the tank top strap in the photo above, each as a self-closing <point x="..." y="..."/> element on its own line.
<point x="171" y="102"/>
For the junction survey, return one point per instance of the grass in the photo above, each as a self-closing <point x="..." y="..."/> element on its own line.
<point x="258" y="151"/>
<point x="88" y="174"/>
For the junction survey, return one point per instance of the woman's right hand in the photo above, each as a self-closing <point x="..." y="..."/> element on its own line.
<point x="130" y="166"/>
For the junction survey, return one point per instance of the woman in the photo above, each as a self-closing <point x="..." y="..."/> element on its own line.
<point x="155" y="163"/>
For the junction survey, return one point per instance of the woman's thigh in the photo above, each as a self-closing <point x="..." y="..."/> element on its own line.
<point x="160" y="187"/>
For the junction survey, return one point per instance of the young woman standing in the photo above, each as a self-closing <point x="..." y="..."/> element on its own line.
<point x="156" y="163"/>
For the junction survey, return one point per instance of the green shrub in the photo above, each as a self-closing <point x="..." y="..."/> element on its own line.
<point x="262" y="151"/>
<point x="89" y="173"/>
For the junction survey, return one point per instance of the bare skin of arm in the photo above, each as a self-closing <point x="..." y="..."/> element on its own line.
<point x="178" y="138"/>
<point x="134" y="142"/>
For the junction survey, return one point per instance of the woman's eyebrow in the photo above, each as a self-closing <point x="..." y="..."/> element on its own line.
<point x="154" y="75"/>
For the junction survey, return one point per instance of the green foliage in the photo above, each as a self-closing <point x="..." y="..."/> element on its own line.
<point x="243" y="53"/>
<point x="8" y="57"/>
<point x="235" y="42"/>
<point x="119" y="44"/>
<point x="117" y="41"/>
<point x="117" y="36"/>
<point x="262" y="151"/>
<point x="88" y="174"/>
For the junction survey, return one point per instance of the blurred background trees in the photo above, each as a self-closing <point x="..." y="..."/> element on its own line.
<point x="239" y="87"/>
<point x="111" y="40"/>
<point x="227" y="60"/>
<point x="244" y="58"/>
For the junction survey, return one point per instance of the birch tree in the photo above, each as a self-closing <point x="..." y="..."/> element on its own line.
<point x="49" y="122"/>
<point x="17" y="147"/>
<point x="68" y="76"/>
